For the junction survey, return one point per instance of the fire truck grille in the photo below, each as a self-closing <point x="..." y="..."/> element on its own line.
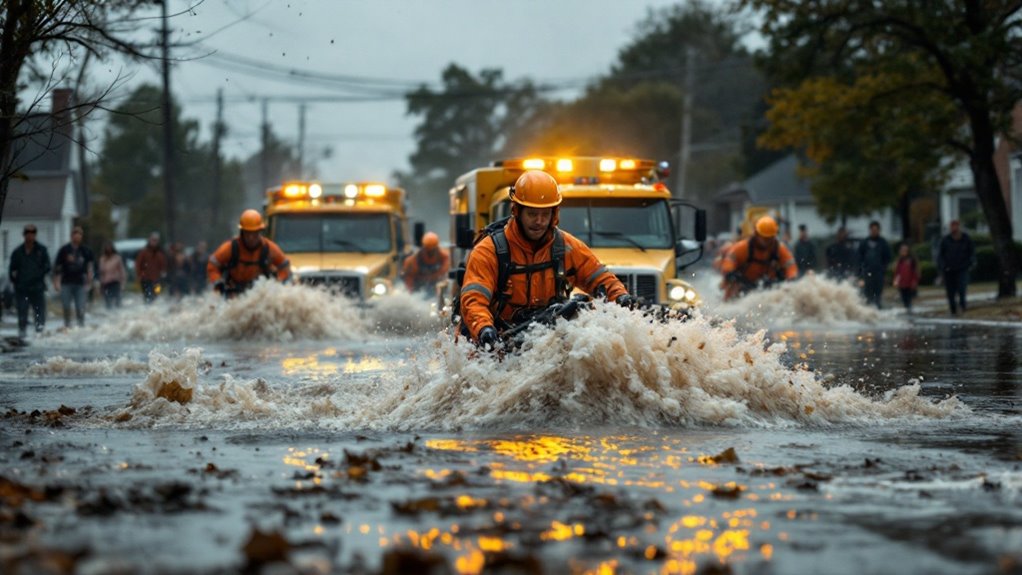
<point x="348" y="286"/>
<point x="645" y="286"/>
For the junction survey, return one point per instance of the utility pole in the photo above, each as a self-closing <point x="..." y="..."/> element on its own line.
<point x="218" y="132"/>
<point x="686" y="122"/>
<point x="168" y="132"/>
<point x="301" y="141"/>
<point x="264" y="157"/>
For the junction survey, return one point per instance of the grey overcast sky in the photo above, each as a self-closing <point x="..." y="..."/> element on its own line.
<point x="243" y="43"/>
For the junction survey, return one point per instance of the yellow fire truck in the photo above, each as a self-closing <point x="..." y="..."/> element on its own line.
<point x="617" y="206"/>
<point x="349" y="237"/>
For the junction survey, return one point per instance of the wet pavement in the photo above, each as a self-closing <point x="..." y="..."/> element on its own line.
<point x="794" y="432"/>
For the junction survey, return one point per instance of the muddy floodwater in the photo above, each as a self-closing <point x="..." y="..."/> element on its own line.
<point x="795" y="431"/>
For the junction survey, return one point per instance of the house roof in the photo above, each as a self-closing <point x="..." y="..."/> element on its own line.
<point x="778" y="182"/>
<point x="37" y="197"/>
<point x="43" y="148"/>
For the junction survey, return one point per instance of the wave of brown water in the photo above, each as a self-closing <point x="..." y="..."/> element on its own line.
<point x="610" y="366"/>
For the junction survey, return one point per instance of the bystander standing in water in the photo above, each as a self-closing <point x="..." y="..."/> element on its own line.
<point x="29" y="265"/>
<point x="840" y="257"/>
<point x="874" y="257"/>
<point x="197" y="268"/>
<point x="805" y="252"/>
<point x="151" y="267"/>
<point x="954" y="258"/>
<point x="112" y="275"/>
<point x="72" y="273"/>
<point x="906" y="276"/>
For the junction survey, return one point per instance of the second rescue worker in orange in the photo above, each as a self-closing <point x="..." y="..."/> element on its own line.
<point x="533" y="279"/>
<point x="758" y="258"/>
<point x="423" y="269"/>
<point x="240" y="261"/>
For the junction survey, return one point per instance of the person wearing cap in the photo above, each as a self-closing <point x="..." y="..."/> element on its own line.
<point x="29" y="265"/>
<point x="238" y="262"/>
<point x="423" y="269"/>
<point x="758" y="259"/>
<point x="874" y="257"/>
<point x="545" y="262"/>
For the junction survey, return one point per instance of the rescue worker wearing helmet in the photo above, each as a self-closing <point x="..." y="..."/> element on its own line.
<point x="423" y="269"/>
<point x="238" y="262"/>
<point x="544" y="265"/>
<point x="758" y="259"/>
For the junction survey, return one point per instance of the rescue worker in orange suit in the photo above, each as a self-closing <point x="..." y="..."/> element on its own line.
<point x="239" y="261"/>
<point x="423" y="269"/>
<point x="760" y="258"/>
<point x="545" y="263"/>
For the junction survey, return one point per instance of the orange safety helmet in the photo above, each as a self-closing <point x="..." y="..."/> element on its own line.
<point x="536" y="189"/>
<point x="251" y="221"/>
<point x="766" y="227"/>
<point x="430" y="241"/>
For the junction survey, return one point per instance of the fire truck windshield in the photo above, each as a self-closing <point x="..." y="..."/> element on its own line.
<point x="340" y="232"/>
<point x="618" y="223"/>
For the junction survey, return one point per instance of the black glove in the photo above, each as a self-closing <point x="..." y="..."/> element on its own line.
<point x="627" y="301"/>
<point x="488" y="338"/>
<point x="219" y="287"/>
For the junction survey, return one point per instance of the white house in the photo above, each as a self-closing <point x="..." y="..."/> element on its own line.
<point x="48" y="188"/>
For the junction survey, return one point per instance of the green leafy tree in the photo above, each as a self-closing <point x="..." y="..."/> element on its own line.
<point x="867" y="144"/>
<point x="965" y="54"/>
<point x="703" y="43"/>
<point x="466" y="124"/>
<point x="128" y="173"/>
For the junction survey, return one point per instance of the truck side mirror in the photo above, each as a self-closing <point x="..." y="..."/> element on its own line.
<point x="700" y="226"/>
<point x="465" y="237"/>
<point x="420" y="230"/>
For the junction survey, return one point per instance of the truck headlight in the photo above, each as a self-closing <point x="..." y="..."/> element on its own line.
<point x="677" y="293"/>
<point x="690" y="295"/>
<point x="380" y="287"/>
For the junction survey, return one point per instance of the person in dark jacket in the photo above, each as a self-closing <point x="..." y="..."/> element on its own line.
<point x="840" y="257"/>
<point x="29" y="265"/>
<point x="805" y="252"/>
<point x="955" y="256"/>
<point x="72" y="275"/>
<point x="874" y="257"/>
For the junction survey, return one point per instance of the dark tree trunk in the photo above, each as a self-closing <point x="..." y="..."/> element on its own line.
<point x="14" y="50"/>
<point x="995" y="209"/>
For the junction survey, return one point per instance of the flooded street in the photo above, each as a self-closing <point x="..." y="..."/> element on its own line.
<point x="794" y="432"/>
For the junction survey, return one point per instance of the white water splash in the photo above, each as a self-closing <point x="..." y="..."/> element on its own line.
<point x="813" y="300"/>
<point x="60" y="366"/>
<point x="269" y="311"/>
<point x="610" y="366"/>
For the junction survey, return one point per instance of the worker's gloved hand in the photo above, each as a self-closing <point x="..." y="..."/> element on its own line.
<point x="733" y="277"/>
<point x="219" y="287"/>
<point x="627" y="301"/>
<point x="488" y="338"/>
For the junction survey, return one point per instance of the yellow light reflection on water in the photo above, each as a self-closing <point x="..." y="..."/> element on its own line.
<point x="691" y="540"/>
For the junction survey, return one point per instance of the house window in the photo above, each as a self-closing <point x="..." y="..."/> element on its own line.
<point x="971" y="214"/>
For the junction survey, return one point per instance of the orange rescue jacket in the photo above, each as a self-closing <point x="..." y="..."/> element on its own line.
<point x="248" y="266"/>
<point x="527" y="290"/>
<point x="425" y="268"/>
<point x="768" y="264"/>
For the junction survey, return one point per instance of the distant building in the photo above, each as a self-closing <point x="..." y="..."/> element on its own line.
<point x="48" y="188"/>
<point x="780" y="190"/>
